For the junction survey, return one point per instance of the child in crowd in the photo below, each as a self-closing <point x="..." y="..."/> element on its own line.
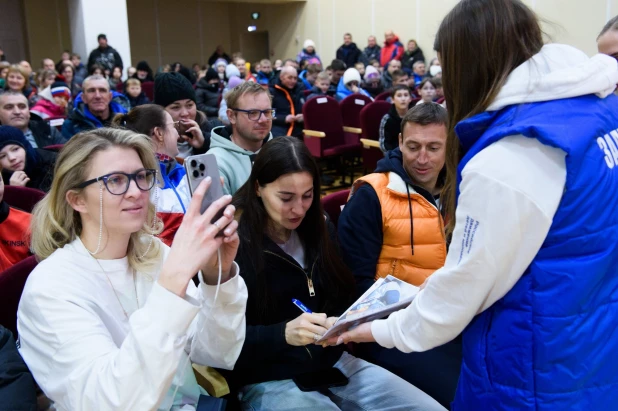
<point x="288" y="251"/>
<point x="400" y="77"/>
<point x="376" y="64"/>
<point x="53" y="102"/>
<point x="309" y="75"/>
<point x="350" y="84"/>
<point x="22" y="165"/>
<point x="390" y="126"/>
<point x="14" y="226"/>
<point x="427" y="91"/>
<point x="372" y="83"/>
<point x="320" y="88"/>
<point x="439" y="90"/>
<point x="133" y="91"/>
<point x="219" y="67"/>
<point x="360" y="66"/>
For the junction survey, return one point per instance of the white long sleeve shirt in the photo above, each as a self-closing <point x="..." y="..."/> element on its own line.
<point x="509" y="194"/>
<point x="85" y="354"/>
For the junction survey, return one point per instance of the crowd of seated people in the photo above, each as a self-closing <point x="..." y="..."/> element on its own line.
<point x="134" y="283"/>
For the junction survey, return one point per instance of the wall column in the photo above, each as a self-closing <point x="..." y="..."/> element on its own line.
<point x="91" y="18"/>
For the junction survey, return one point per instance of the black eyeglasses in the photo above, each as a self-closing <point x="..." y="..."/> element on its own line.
<point x="254" y="115"/>
<point x="118" y="183"/>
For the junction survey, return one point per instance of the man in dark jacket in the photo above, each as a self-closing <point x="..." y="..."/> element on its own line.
<point x="337" y="70"/>
<point x="14" y="112"/>
<point x="95" y="107"/>
<point x="288" y="100"/>
<point x="348" y="52"/>
<point x="207" y="94"/>
<point x="105" y="55"/>
<point x="372" y="51"/>
<point x="17" y="387"/>
<point x="371" y="222"/>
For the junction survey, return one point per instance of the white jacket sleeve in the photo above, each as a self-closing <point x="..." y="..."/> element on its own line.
<point x="84" y="365"/>
<point x="509" y="195"/>
<point x="218" y="334"/>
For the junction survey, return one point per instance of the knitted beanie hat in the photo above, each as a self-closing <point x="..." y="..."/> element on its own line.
<point x="171" y="87"/>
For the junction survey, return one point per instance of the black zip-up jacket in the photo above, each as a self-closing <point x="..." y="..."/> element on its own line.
<point x="266" y="356"/>
<point x="207" y="97"/>
<point x="281" y="103"/>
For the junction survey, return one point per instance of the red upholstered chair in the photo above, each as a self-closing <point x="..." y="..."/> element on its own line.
<point x="12" y="282"/>
<point x="332" y="204"/>
<point x="414" y="101"/>
<point x="54" y="147"/>
<point x="306" y="92"/>
<point x="351" y="107"/>
<point x="24" y="198"/>
<point x="383" y="96"/>
<point x="325" y="135"/>
<point x="148" y="89"/>
<point x="371" y="117"/>
<point x="440" y="100"/>
<point x="120" y="87"/>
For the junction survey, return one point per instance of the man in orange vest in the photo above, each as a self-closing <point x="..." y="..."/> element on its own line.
<point x="392" y="225"/>
<point x="288" y="100"/>
<point x="14" y="226"/>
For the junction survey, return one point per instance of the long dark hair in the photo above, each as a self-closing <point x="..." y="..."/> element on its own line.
<point x="280" y="156"/>
<point x="480" y="42"/>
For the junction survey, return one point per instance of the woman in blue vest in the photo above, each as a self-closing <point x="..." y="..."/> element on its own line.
<point x="531" y="277"/>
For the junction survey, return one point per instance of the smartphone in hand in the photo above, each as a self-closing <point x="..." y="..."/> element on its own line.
<point x="198" y="168"/>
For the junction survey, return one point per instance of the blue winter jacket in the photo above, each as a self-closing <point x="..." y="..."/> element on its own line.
<point x="550" y="343"/>
<point x="343" y="91"/>
<point x="81" y="119"/>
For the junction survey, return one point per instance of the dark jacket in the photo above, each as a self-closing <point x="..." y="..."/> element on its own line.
<point x="41" y="173"/>
<point x="409" y="58"/>
<point x="263" y="78"/>
<point x="17" y="387"/>
<point x="266" y="356"/>
<point x="107" y="57"/>
<point x="371" y="53"/>
<point x="281" y="103"/>
<point x="387" y="80"/>
<point x="360" y="224"/>
<point x="350" y="55"/>
<point x="43" y="133"/>
<point x="208" y="97"/>
<point x="81" y="119"/>
<point x="315" y="92"/>
<point x="140" y="100"/>
<point x="390" y="127"/>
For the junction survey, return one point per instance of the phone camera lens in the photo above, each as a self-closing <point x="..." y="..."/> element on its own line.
<point x="202" y="167"/>
<point x="196" y="173"/>
<point x="193" y="163"/>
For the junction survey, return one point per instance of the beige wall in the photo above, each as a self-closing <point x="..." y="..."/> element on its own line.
<point x="189" y="30"/>
<point x="48" y="28"/>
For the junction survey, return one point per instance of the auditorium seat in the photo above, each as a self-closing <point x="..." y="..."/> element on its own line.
<point x="12" y="282"/>
<point x="371" y="117"/>
<point x="351" y="107"/>
<point x="332" y="204"/>
<point x="24" y="198"/>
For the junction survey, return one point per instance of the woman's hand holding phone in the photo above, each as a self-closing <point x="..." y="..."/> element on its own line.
<point x="192" y="133"/>
<point x="196" y="243"/>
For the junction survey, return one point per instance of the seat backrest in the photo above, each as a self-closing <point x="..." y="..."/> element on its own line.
<point x="148" y="89"/>
<point x="120" y="87"/>
<point x="12" y="282"/>
<point x="24" y="198"/>
<point x="323" y="114"/>
<point x="370" y="118"/>
<point x="332" y="204"/>
<point x="54" y="147"/>
<point x="307" y="92"/>
<point x="351" y="107"/>
<point x="383" y="96"/>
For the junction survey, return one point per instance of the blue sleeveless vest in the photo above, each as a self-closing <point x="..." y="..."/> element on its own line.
<point x="551" y="343"/>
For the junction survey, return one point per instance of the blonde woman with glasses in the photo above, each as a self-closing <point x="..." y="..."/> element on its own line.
<point x="110" y="318"/>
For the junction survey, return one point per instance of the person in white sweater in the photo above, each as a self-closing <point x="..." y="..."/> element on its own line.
<point x="531" y="271"/>
<point x="110" y="319"/>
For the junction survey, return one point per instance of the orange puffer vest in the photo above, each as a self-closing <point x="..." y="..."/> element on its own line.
<point x="397" y="258"/>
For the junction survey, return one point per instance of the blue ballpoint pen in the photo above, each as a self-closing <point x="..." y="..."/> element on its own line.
<point x="302" y="306"/>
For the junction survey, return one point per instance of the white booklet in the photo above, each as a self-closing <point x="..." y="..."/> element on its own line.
<point x="385" y="296"/>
